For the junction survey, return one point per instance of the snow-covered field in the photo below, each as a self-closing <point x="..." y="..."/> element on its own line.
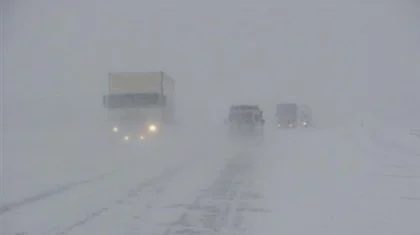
<point x="340" y="182"/>
<point x="330" y="181"/>
<point x="415" y="132"/>
<point x="35" y="161"/>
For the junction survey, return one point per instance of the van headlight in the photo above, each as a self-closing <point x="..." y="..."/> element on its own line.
<point x="115" y="129"/>
<point x="152" y="128"/>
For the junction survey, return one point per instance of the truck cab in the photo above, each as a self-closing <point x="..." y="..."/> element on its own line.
<point x="305" y="115"/>
<point x="139" y="105"/>
<point x="287" y="115"/>
<point x="134" y="115"/>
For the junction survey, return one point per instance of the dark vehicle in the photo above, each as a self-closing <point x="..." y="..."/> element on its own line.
<point x="287" y="115"/>
<point x="246" y="120"/>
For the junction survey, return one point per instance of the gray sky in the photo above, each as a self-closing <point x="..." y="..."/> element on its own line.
<point x="341" y="57"/>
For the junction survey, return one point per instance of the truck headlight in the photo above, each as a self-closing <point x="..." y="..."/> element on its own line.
<point x="304" y="123"/>
<point x="115" y="129"/>
<point x="126" y="138"/>
<point x="152" y="128"/>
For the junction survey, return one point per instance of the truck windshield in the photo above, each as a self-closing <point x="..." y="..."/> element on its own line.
<point x="241" y="117"/>
<point x="287" y="110"/>
<point x="132" y="100"/>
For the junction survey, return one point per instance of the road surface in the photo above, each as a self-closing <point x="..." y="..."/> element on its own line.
<point x="338" y="181"/>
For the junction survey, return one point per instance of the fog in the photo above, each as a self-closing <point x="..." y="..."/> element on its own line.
<point x="347" y="59"/>
<point x="63" y="171"/>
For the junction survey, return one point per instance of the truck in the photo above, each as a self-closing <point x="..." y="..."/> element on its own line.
<point x="293" y="115"/>
<point x="287" y="115"/>
<point x="245" y="121"/>
<point x="305" y="115"/>
<point x="139" y="105"/>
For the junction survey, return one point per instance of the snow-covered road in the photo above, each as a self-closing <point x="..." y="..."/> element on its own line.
<point x="330" y="181"/>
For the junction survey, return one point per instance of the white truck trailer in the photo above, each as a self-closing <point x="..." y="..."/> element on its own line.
<point x="139" y="104"/>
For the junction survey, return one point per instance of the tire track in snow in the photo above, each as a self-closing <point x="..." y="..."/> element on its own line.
<point x="221" y="207"/>
<point x="155" y="185"/>
<point x="58" y="190"/>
